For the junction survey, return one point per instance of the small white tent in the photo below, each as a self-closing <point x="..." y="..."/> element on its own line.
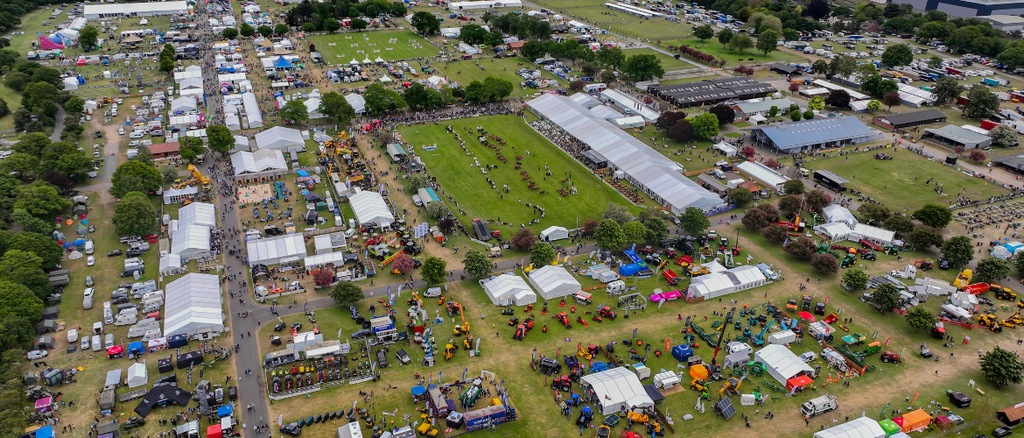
<point x="553" y="282"/>
<point x="508" y="289"/>
<point x="782" y="363"/>
<point x="554" y="233"/>
<point x="862" y="427"/>
<point x="137" y="375"/>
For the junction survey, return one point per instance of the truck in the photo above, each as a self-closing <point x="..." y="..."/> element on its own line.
<point x="819" y="405"/>
<point x="994" y="82"/>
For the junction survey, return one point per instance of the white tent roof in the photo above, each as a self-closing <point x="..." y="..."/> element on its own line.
<point x="255" y="117"/>
<point x="190" y="83"/>
<point x="278" y="137"/>
<point x="509" y="288"/>
<point x="553" y="281"/>
<point x="190" y="240"/>
<point x="616" y="389"/>
<point x="274" y="250"/>
<point x="199" y="213"/>
<point x="172" y="192"/>
<point x="862" y="427"/>
<point x="834" y="230"/>
<point x="838" y="213"/>
<point x="170" y="262"/>
<point x="70" y="83"/>
<point x="370" y="208"/>
<point x="357" y="102"/>
<point x="782" y="363"/>
<point x="333" y="258"/>
<point x="263" y="160"/>
<point x="874" y="233"/>
<point x="193" y="304"/>
<point x="113" y="377"/>
<point x="554" y="233"/>
<point x="313" y="108"/>
<point x="763" y="173"/>
<point x="184" y="103"/>
<point x="729" y="281"/>
<point x="137" y="375"/>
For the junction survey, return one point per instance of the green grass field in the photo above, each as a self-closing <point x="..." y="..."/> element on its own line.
<point x="465" y="72"/>
<point x="713" y="47"/>
<point x="467" y="185"/>
<point x="618" y="22"/>
<point x="372" y="45"/>
<point x="667" y="62"/>
<point x="873" y="178"/>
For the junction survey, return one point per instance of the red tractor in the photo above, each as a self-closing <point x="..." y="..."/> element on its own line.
<point x="563" y="383"/>
<point x="513" y="321"/>
<point x="889" y="356"/>
<point x="869" y="244"/>
<point x="606" y="311"/>
<point x="520" y="332"/>
<point x="580" y="320"/>
<point x="563" y="318"/>
<point x="529" y="323"/>
<point x="594" y="350"/>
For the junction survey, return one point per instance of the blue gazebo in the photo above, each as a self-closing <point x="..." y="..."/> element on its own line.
<point x="282" y="63"/>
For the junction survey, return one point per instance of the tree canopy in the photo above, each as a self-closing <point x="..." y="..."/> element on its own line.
<point x="135" y="176"/>
<point x="134" y="215"/>
<point x="434" y="270"/>
<point x="1002" y="367"/>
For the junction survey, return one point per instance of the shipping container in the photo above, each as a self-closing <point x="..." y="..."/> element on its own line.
<point x="485" y="417"/>
<point x="988" y="124"/>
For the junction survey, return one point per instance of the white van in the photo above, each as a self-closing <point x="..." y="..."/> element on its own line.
<point x="120" y="130"/>
<point x="90" y="247"/>
<point x="416" y="200"/>
<point x="87" y="301"/>
<point x="97" y="343"/>
<point x="433" y="292"/>
<point x="97" y="328"/>
<point x="72" y="336"/>
<point x="136" y="134"/>
<point x="108" y="314"/>
<point x="109" y="342"/>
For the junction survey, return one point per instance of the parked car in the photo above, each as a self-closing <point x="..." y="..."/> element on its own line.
<point x="362" y="334"/>
<point x="1001" y="432"/>
<point x="88" y="281"/>
<point x="72" y="348"/>
<point x="85" y="343"/>
<point x="90" y="261"/>
<point x="135" y="252"/>
<point x="37" y="354"/>
<point x="115" y="252"/>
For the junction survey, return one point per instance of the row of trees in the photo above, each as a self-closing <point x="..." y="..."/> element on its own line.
<point x="325" y="16"/>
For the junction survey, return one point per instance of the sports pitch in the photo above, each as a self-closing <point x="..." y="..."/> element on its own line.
<point x="342" y="48"/>
<point x="468" y="185"/>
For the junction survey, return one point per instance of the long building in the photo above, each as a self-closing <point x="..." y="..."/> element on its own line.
<point x="968" y="8"/>
<point x="134" y="9"/>
<point x="657" y="175"/>
<point x="813" y="134"/>
<point x="712" y="91"/>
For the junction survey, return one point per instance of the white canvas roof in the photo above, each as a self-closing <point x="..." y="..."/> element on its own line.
<point x="190" y="83"/>
<point x="139" y="9"/>
<point x="137" y="375"/>
<point x="862" y="427"/>
<point x="333" y="258"/>
<point x="838" y="213"/>
<point x="263" y="160"/>
<point x="278" y="137"/>
<point x="199" y="213"/>
<point x="357" y="102"/>
<point x="370" y="208"/>
<point x="190" y="240"/>
<point x="874" y="234"/>
<point x="508" y="288"/>
<point x="616" y="389"/>
<point x="835" y="231"/>
<point x="553" y="282"/>
<point x="113" y="377"/>
<point x="763" y="173"/>
<point x="184" y="104"/>
<point x="171" y="193"/>
<point x="732" y="280"/>
<point x="782" y="363"/>
<point x="274" y="250"/>
<point x="255" y="117"/>
<point x="554" y="233"/>
<point x="193" y="304"/>
<point x="169" y="264"/>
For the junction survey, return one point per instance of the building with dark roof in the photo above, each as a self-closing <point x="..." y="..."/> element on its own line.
<point x="968" y="8"/>
<point x="813" y="134"/>
<point x="1012" y="161"/>
<point x="785" y="69"/>
<point x="953" y="135"/>
<point x="907" y="120"/>
<point x="712" y="91"/>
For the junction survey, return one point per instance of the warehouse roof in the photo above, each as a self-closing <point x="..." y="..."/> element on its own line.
<point x="135" y="8"/>
<point x="815" y="131"/>
<point x="717" y="90"/>
<point x="1016" y="161"/>
<point x="759" y="105"/>
<point x="960" y="135"/>
<point x="913" y="118"/>
<point x="190" y="239"/>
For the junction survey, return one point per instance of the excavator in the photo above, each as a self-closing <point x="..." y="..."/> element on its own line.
<point x="731" y="387"/>
<point x="759" y="339"/>
<point x="449" y="350"/>
<point x="699" y="375"/>
<point x="196" y="178"/>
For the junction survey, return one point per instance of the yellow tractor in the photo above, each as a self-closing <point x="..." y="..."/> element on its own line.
<point x="696" y="270"/>
<point x="584" y="354"/>
<point x="460" y="330"/>
<point x="963" y="279"/>
<point x="699" y="374"/>
<point x="638" y="417"/>
<point x="449" y="351"/>
<point x="468" y="342"/>
<point x="731" y="387"/>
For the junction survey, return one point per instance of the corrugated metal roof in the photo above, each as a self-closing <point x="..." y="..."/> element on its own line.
<point x="959" y="135"/>
<point x="815" y="131"/>
<point x="763" y="173"/>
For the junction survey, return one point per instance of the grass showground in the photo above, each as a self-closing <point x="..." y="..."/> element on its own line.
<point x="342" y="48"/>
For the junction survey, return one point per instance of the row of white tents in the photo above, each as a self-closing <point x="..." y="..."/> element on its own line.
<point x="552" y="282"/>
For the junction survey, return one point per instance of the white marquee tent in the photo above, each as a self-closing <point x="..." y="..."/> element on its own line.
<point x="732" y="280"/>
<point x="874" y="234"/>
<point x="508" y="288"/>
<point x="616" y="389"/>
<point x="553" y="282"/>
<point x="782" y="363"/>
<point x="137" y="375"/>
<point x="170" y="264"/>
<point x="371" y="210"/>
<point x="862" y="427"/>
<point x="554" y="233"/>
<point x="838" y="213"/>
<point x="276" y="250"/>
<point x="191" y="241"/>
<point x="262" y="163"/>
<point x="198" y="213"/>
<point x="193" y="304"/>
<point x="279" y="137"/>
<point x="357" y="102"/>
<point x="835" y="231"/>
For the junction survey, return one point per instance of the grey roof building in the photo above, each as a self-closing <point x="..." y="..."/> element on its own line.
<point x="914" y="118"/>
<point x="956" y="136"/>
<point x="712" y="91"/>
<point x="1012" y="161"/>
<point x="968" y="8"/>
<point x="813" y="134"/>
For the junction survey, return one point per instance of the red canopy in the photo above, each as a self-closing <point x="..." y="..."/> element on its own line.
<point x="213" y="431"/>
<point x="115" y="350"/>
<point x="798" y="381"/>
<point x="806" y="316"/>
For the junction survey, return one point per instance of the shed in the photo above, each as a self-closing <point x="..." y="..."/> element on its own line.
<point x="782" y="364"/>
<point x="137" y="375"/>
<point x="862" y="427"/>
<point x="508" y="289"/>
<point x="666" y="380"/>
<point x="953" y="135"/>
<point x="1011" y="416"/>
<point x="615" y="390"/>
<point x="370" y="209"/>
<point x="554" y="233"/>
<point x="553" y="282"/>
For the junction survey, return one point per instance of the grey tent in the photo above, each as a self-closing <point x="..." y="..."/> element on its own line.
<point x="46" y="326"/>
<point x="45" y="343"/>
<point x="113" y="378"/>
<point x="112" y="428"/>
<point x="29" y="378"/>
<point x="51" y="312"/>
<point x="108" y="398"/>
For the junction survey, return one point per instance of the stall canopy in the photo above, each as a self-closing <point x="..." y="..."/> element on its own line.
<point x="162" y="395"/>
<point x="554" y="233"/>
<point x="371" y="210"/>
<point x="137" y="375"/>
<point x="862" y="427"/>
<point x="508" y="289"/>
<point x="553" y="282"/>
<point x="782" y="363"/>
<point x="916" y="420"/>
<point x="616" y="389"/>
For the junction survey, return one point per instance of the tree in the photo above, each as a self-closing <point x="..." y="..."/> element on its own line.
<point x="705" y="125"/>
<point x="924" y="237"/>
<point x="776" y="233"/>
<point x="607" y="76"/>
<point x="885" y="298"/>
<point x="609" y="236"/>
<point x="843" y="65"/>
<point x="818" y="9"/>
<point x="682" y="131"/>
<point x="17" y="81"/>
<point x="741" y="196"/>
<point x="246" y="30"/>
<point x="1019" y="261"/>
<point x="437" y="209"/>
<point x="724" y="36"/>
<point x="790" y="34"/>
<point x="977" y="156"/>
<point x="801" y="248"/>
<point x="358" y="24"/>
<point x="1003" y="136"/>
<point x="499" y="88"/>
<point x="704" y="32"/>
<point x="523" y="239"/>
<point x="41" y="245"/>
<point x="418" y="181"/>
<point x="472" y="34"/>
<point x="434" y="270"/>
<point x="790" y="204"/>
<point x="748" y="152"/>
<point x="824" y="263"/>
<point x="740" y="43"/>
<point x="476" y="264"/>
<point x="345" y="294"/>
<point x="230" y="33"/>
<point x="900" y="224"/>
<point x="947" y="89"/>
<point x="773" y="111"/>
<point x="323" y="277"/>
<point x="41" y="199"/>
<point x="656" y="229"/>
<point x="838" y="99"/>
<point x="959" y="250"/>
<point x="816" y="103"/>
<point x="74" y="105"/>
<point x="135" y="176"/>
<point x="756" y="219"/>
<point x="542" y="255"/>
<point x="634" y="232"/>
<point x="1002" y="367"/>
<point x="33" y="144"/>
<point x="589" y="227"/>
<point x="724" y="113"/>
<point x="18" y="300"/>
<point x="143" y="155"/>
<point x="59" y="180"/>
<point x="420" y="97"/>
<point x="381" y="100"/>
<point x="873" y="213"/>
<point x="295" y="111"/>
<point x="808" y="115"/>
<point x="170" y="173"/>
<point x="921" y="318"/>
<point x="793" y="187"/>
<point x="820" y="67"/>
<point x="891" y="99"/>
<point x="856" y="279"/>
<point x="25" y="268"/>
<point x="795" y="116"/>
<point x="934" y="215"/>
<point x="134" y="215"/>
<point x="280" y="29"/>
<point x="166" y="64"/>
<point x="219" y="139"/>
<point x="612" y="56"/>
<point x="618" y="213"/>
<point x="983" y="103"/>
<point x="817" y="200"/>
<point x="535" y="49"/>
<point x="767" y="41"/>
<point x="874" y="105"/>
<point x="265" y="31"/>
<point x="643" y="67"/>
<point x="23" y="165"/>
<point x="896" y="55"/>
<point x="88" y="36"/>
<point x="335" y="106"/>
<point x="693" y="221"/>
<point x="991" y="269"/>
<point x="330" y="25"/>
<point x="189" y="148"/>
<point x="403" y="264"/>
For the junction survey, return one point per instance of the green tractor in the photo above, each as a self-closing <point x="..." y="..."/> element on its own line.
<point x="891" y="250"/>
<point x="849" y="260"/>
